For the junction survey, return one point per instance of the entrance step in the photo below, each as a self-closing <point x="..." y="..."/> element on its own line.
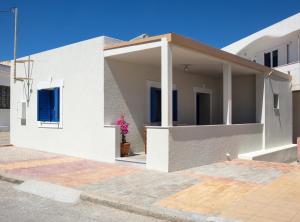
<point x="282" y="154"/>
<point x="134" y="160"/>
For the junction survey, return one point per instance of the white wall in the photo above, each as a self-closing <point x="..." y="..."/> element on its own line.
<point x="255" y="50"/>
<point x="190" y="146"/>
<point x="294" y="70"/>
<point x="126" y="91"/>
<point x="158" y="149"/>
<point x="278" y="123"/>
<point x="185" y="83"/>
<point x="82" y="133"/>
<point x="274" y="37"/>
<point x="4" y="113"/>
<point x="279" y="29"/>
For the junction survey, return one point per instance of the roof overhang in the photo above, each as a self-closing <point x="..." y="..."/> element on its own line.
<point x="192" y="45"/>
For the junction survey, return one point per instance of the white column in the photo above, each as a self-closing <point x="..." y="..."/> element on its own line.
<point x="166" y="83"/>
<point x="102" y="70"/>
<point x="298" y="47"/>
<point x="263" y="113"/>
<point x="227" y="97"/>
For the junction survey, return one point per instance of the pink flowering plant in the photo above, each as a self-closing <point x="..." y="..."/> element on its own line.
<point x="123" y="127"/>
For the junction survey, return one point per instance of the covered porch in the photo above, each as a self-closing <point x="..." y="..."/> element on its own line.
<point x="186" y="105"/>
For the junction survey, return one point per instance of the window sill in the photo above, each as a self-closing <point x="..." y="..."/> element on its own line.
<point x="54" y="125"/>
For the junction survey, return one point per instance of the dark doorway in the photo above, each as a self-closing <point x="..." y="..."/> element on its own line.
<point x="155" y="105"/>
<point x="203" y="108"/>
<point x="296" y="115"/>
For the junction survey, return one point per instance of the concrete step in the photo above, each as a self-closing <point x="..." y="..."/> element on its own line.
<point x="282" y="154"/>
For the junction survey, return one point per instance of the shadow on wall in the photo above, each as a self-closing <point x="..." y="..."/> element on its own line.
<point x="195" y="146"/>
<point x="208" y="132"/>
<point x="243" y="99"/>
<point x="125" y="91"/>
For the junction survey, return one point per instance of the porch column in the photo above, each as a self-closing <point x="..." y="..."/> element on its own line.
<point x="101" y="86"/>
<point x="166" y="83"/>
<point x="227" y="99"/>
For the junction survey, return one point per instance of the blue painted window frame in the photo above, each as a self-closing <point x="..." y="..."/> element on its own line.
<point x="48" y="105"/>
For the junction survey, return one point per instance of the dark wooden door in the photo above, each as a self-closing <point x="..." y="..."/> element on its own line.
<point x="203" y="108"/>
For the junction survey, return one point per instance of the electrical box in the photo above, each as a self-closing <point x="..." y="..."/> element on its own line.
<point x="21" y="110"/>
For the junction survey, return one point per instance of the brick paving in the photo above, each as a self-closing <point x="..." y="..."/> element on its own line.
<point x="14" y="154"/>
<point x="145" y="187"/>
<point x="63" y="170"/>
<point x="238" y="190"/>
<point x="247" y="172"/>
<point x="263" y="191"/>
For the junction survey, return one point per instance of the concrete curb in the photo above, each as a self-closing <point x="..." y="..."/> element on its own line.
<point x="11" y="179"/>
<point x="146" y="211"/>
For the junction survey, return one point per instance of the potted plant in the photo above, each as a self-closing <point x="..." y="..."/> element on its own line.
<point x="125" y="146"/>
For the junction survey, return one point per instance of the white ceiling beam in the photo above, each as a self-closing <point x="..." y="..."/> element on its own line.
<point x="129" y="49"/>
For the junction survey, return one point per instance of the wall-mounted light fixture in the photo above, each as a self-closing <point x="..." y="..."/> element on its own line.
<point x="186" y="67"/>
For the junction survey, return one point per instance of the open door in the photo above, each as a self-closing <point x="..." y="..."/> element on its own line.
<point x="203" y="110"/>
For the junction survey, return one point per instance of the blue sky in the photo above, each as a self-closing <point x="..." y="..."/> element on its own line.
<point x="46" y="24"/>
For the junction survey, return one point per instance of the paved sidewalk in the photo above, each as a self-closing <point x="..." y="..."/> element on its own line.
<point x="238" y="190"/>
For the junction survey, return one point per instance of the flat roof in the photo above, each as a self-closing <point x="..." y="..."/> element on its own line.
<point x="189" y="43"/>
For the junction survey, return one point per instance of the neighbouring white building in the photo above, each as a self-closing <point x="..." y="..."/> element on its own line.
<point x="187" y="103"/>
<point x="277" y="46"/>
<point x="4" y="96"/>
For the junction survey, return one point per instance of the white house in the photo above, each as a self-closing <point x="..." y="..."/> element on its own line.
<point x="4" y="96"/>
<point x="187" y="103"/>
<point x="277" y="46"/>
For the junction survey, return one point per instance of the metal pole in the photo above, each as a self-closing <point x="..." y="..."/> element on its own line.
<point x="15" y="10"/>
<point x="28" y="83"/>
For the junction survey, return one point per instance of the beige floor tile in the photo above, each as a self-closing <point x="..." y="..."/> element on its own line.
<point x="296" y="218"/>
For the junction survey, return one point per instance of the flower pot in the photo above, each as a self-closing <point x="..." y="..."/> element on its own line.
<point x="125" y="149"/>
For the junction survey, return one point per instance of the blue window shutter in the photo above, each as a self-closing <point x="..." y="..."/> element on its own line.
<point x="43" y="105"/>
<point x="153" y="104"/>
<point x="155" y="109"/>
<point x="55" y="108"/>
<point x="175" y="103"/>
<point x="158" y="111"/>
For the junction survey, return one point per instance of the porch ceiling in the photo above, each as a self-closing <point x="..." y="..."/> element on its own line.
<point x="198" y="63"/>
<point x="239" y="64"/>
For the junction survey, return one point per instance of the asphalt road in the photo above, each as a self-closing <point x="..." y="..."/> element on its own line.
<point x="16" y="206"/>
